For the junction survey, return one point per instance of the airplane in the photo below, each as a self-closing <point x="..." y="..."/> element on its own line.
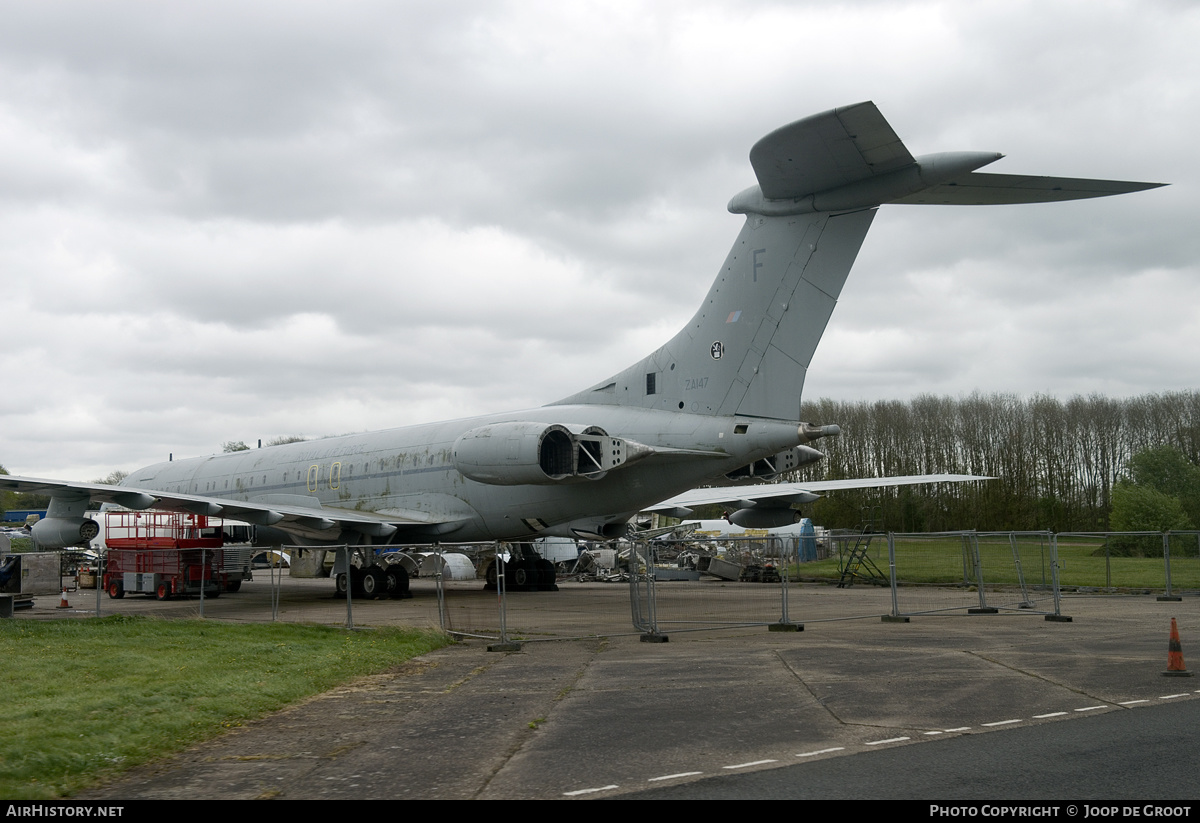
<point x="721" y="399"/>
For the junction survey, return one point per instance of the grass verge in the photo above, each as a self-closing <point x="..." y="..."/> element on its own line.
<point x="1081" y="564"/>
<point x="86" y="699"/>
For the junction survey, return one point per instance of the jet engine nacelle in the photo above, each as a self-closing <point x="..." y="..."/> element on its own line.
<point x="769" y="467"/>
<point x="519" y="453"/>
<point x="63" y="532"/>
<point x="764" y="518"/>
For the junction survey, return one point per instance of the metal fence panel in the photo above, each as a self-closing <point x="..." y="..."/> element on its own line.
<point x="955" y="571"/>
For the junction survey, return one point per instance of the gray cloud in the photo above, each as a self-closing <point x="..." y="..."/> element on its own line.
<point x="221" y="221"/>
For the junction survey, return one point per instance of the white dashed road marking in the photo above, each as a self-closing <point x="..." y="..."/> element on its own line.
<point x="822" y="751"/>
<point x="578" y="792"/>
<point x="674" y="776"/>
<point x="747" y="765"/>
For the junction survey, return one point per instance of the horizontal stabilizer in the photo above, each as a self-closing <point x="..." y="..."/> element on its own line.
<point x="982" y="189"/>
<point x="849" y="158"/>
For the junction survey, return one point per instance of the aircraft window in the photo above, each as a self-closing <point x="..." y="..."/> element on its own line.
<point x="741" y="429"/>
<point x="650" y="381"/>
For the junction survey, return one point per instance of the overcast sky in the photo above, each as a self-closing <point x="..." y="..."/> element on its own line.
<point x="226" y="221"/>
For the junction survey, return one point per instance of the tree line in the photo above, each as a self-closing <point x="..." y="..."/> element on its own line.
<point x="1058" y="462"/>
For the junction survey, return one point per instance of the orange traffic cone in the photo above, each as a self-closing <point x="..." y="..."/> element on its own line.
<point x="1175" y="667"/>
<point x="63" y="604"/>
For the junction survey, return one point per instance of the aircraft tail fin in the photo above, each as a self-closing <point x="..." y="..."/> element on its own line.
<point x="747" y="349"/>
<point x="820" y="179"/>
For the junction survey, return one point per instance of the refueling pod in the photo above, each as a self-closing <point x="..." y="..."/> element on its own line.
<point x="63" y="532"/>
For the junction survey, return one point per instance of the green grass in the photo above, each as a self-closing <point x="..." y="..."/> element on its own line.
<point x="1081" y="563"/>
<point x="85" y="699"/>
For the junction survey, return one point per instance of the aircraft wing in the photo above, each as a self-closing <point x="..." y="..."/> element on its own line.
<point x="300" y="515"/>
<point x="780" y="495"/>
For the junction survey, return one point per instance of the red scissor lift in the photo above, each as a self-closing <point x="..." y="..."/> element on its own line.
<point x="164" y="554"/>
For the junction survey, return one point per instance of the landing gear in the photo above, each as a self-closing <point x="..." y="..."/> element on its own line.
<point x="548" y="576"/>
<point x="396" y="582"/>
<point x="373" y="583"/>
<point x="524" y="574"/>
<point x="528" y="573"/>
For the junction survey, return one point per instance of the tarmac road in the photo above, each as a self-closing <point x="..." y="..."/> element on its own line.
<point x="1144" y="755"/>
<point x="613" y="717"/>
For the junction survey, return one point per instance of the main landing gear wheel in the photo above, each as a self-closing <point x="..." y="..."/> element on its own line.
<point x="356" y="578"/>
<point x="489" y="577"/>
<point x="396" y="581"/>
<point x="339" y="585"/>
<point x="373" y="583"/>
<point x="548" y="575"/>
<point x="527" y="574"/>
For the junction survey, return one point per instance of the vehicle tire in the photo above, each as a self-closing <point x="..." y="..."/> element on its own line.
<point x="489" y="575"/>
<point x="213" y="595"/>
<point x="339" y="585"/>
<point x="116" y="589"/>
<point x="548" y="575"/>
<point x="396" y="581"/>
<point x="163" y="592"/>
<point x="356" y="581"/>
<point x="524" y="574"/>
<point x="373" y="583"/>
<point x="233" y="586"/>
